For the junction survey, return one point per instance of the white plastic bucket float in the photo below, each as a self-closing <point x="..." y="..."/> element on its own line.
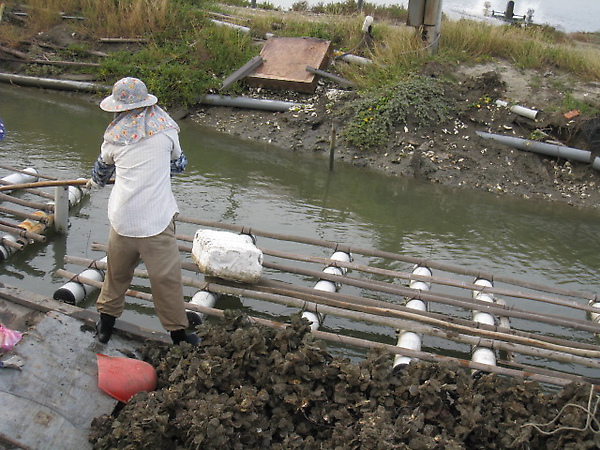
<point x="73" y="292"/>
<point x="22" y="178"/>
<point x="316" y="319"/>
<point x="481" y="354"/>
<point x="200" y="298"/>
<point x="409" y="339"/>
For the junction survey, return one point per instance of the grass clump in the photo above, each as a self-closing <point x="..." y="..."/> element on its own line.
<point x="415" y="102"/>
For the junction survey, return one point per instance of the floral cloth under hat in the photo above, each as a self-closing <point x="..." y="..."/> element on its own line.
<point x="137" y="115"/>
<point x="130" y="127"/>
<point x="128" y="93"/>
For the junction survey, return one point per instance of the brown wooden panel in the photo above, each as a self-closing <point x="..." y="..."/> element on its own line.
<point x="285" y="60"/>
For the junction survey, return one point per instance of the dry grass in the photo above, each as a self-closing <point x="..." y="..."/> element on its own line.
<point x="124" y="18"/>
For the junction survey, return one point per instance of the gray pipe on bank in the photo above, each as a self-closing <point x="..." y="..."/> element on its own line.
<point x="50" y="83"/>
<point x="555" y="150"/>
<point x="246" y="102"/>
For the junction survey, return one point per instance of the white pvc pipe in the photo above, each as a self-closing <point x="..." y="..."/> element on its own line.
<point x="231" y="25"/>
<point x="557" y="151"/>
<point x="51" y="83"/>
<point x="74" y="292"/>
<point x="201" y="298"/>
<point x="76" y="193"/>
<point x="246" y="102"/>
<point x="316" y="319"/>
<point x="525" y="112"/>
<point x="22" y="178"/>
<point x="356" y="59"/>
<point x="7" y="250"/>
<point x="409" y="339"/>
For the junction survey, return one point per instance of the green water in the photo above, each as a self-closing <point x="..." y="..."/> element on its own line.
<point x="259" y="186"/>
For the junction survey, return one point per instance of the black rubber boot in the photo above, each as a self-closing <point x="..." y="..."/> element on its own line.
<point x="104" y="327"/>
<point x="180" y="336"/>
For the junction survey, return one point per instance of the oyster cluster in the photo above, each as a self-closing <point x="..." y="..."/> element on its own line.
<point x="248" y="386"/>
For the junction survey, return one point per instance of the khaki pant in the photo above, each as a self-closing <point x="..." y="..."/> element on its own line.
<point x="160" y="255"/>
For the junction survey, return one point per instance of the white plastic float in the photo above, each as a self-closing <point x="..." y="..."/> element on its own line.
<point x="74" y="292"/>
<point x="409" y="339"/>
<point x="314" y="318"/>
<point x="481" y="354"/>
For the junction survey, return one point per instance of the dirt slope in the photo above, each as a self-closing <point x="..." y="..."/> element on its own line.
<point x="451" y="153"/>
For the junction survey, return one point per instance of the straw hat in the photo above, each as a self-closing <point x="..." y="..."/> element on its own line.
<point x="128" y="93"/>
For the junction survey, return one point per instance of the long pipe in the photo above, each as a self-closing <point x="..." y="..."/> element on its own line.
<point x="49" y="183"/>
<point x="439" y="280"/>
<point x="50" y="83"/>
<point x="247" y="102"/>
<point x="555" y="150"/>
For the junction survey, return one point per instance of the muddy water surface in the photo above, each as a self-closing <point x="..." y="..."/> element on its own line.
<point x="262" y="187"/>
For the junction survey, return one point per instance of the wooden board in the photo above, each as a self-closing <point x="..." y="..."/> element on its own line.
<point x="285" y="61"/>
<point x="50" y="404"/>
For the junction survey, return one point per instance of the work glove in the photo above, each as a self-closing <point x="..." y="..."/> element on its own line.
<point x="91" y="184"/>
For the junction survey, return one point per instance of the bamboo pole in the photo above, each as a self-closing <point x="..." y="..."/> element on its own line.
<point x="410" y="276"/>
<point x="401" y="311"/>
<point x="31" y="191"/>
<point x="527" y="346"/>
<point x="49" y="183"/>
<point x="431" y="279"/>
<point x="445" y="322"/>
<point x="9" y="243"/>
<point x="467" y="303"/>
<point x="18" y="201"/>
<point x="23" y="215"/>
<point x="342" y="311"/>
<point x="23" y="233"/>
<point x="15" y="169"/>
<point x="388" y="255"/>
<point x="347" y="340"/>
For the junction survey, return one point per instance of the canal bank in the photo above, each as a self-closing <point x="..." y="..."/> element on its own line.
<point x="451" y="153"/>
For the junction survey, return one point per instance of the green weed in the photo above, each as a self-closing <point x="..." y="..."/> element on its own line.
<point x="416" y="102"/>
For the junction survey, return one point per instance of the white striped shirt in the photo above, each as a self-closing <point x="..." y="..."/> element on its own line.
<point x="141" y="203"/>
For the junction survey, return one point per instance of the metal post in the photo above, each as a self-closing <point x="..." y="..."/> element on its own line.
<point x="61" y="209"/>
<point x="332" y="144"/>
<point x="432" y="23"/>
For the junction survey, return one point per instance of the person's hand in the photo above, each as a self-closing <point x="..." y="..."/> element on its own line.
<point x="91" y="184"/>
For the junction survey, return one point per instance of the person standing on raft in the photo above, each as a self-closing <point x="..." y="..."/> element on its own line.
<point x="141" y="148"/>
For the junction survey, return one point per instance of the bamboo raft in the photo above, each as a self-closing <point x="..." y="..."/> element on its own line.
<point x="394" y="315"/>
<point x="370" y="296"/>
